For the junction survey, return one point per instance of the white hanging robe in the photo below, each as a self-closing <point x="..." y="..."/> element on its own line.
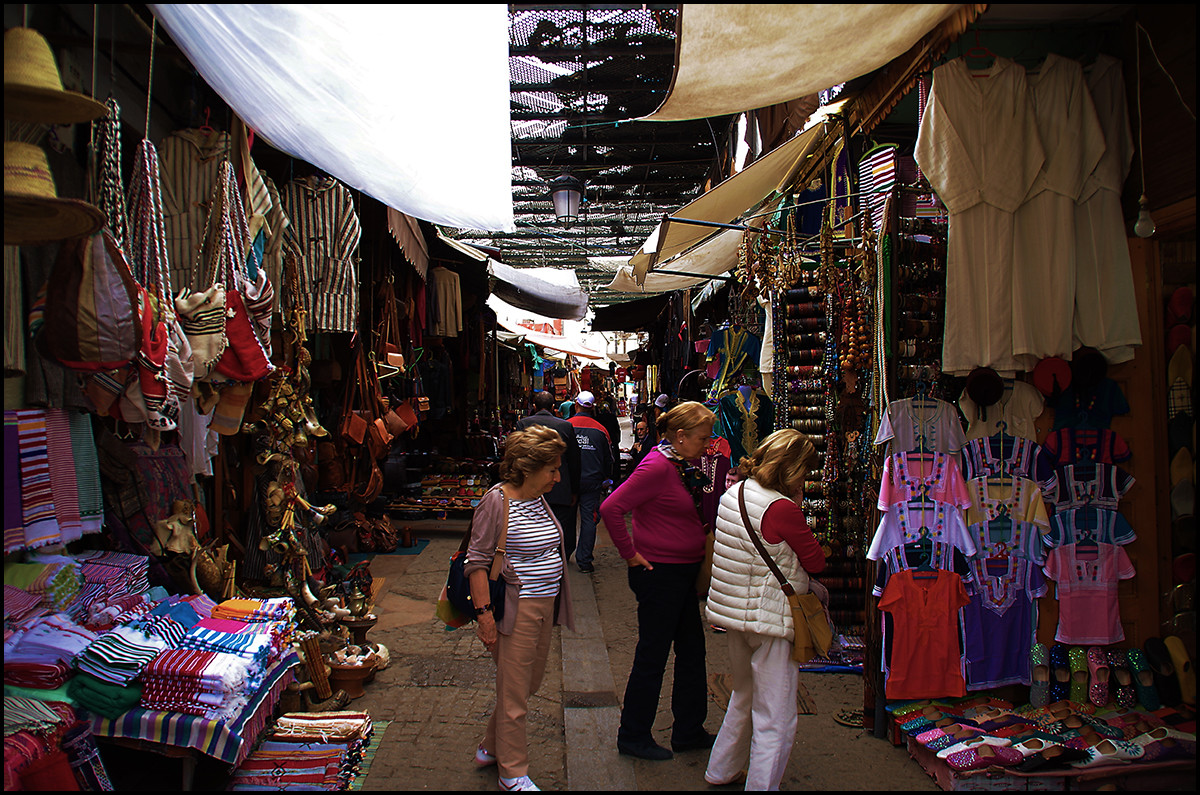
<point x="1044" y="227"/>
<point x="980" y="149"/>
<point x="1106" y="313"/>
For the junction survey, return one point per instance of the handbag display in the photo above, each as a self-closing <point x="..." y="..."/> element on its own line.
<point x="812" y="633"/>
<point x="458" y="585"/>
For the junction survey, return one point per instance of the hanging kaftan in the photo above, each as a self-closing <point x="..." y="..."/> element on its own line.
<point x="1018" y="408"/>
<point x="980" y="149"/>
<point x="1044" y="226"/>
<point x="323" y="236"/>
<point x="1106" y="315"/>
<point x="921" y="425"/>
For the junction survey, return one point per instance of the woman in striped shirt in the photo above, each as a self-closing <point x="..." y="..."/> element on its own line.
<point x="536" y="595"/>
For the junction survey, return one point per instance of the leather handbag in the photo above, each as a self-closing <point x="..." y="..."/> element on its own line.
<point x="812" y="632"/>
<point x="458" y="585"/>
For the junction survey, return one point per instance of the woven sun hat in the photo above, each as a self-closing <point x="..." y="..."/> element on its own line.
<point x="33" y="89"/>
<point x="33" y="212"/>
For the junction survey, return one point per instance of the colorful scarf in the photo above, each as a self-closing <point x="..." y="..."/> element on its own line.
<point x="694" y="479"/>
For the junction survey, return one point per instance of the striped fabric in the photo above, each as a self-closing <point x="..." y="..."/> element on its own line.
<point x="63" y="481"/>
<point x="323" y="237"/>
<point x="533" y="548"/>
<point x="877" y="181"/>
<point x="37" y="499"/>
<point x="229" y="741"/>
<point x="119" y="656"/>
<point x="254" y="648"/>
<point x="280" y="609"/>
<point x="87" y="473"/>
<point x="28" y="714"/>
<point x="14" y="520"/>
<point x="188" y="161"/>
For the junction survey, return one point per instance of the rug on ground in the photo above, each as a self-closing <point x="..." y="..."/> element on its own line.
<point x="312" y="751"/>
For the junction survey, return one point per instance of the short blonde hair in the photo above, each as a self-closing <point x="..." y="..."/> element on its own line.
<point x="684" y="417"/>
<point x="527" y="451"/>
<point x="781" y="462"/>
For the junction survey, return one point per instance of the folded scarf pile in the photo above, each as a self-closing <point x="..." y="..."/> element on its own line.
<point x="323" y="726"/>
<point x="18" y="603"/>
<point x="205" y="683"/>
<point x="120" y="656"/>
<point x="279" y="609"/>
<point x="40" y="675"/>
<point x="49" y="639"/>
<point x="56" y="583"/>
<point x="102" y="698"/>
<point x="292" y="766"/>
<point x="254" y="648"/>
<point x="27" y="714"/>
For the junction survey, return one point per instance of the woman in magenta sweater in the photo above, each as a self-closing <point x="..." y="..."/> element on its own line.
<point x="664" y="554"/>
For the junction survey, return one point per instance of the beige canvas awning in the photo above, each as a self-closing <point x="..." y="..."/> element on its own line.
<point x="551" y="341"/>
<point x="728" y="202"/>
<point x="733" y="57"/>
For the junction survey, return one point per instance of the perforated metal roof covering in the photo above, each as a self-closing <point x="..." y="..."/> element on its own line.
<point x="578" y="74"/>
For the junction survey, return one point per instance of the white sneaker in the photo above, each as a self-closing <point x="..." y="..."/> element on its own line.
<point x="483" y="758"/>
<point x="522" y="784"/>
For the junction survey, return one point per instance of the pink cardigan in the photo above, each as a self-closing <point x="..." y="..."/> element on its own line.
<point x="666" y="528"/>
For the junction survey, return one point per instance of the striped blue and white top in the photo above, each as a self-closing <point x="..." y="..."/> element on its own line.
<point x="533" y="548"/>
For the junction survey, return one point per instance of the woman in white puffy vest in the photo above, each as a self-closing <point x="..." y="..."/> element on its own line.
<point x="746" y="599"/>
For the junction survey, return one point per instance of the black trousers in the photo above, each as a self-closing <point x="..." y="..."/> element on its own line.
<point x="668" y="615"/>
<point x="568" y="517"/>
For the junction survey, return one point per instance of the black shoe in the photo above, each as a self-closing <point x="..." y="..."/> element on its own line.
<point x="586" y="568"/>
<point x="701" y="742"/>
<point x="645" y="749"/>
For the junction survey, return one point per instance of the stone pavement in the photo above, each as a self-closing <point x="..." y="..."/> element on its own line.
<point x="438" y="692"/>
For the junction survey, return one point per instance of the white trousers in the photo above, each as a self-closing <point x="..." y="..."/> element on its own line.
<point x="760" y="723"/>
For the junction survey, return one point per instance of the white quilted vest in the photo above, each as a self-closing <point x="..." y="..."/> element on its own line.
<point x="744" y="595"/>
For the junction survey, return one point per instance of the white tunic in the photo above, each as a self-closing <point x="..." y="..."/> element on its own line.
<point x="1044" y="226"/>
<point x="1106" y="316"/>
<point x="980" y="148"/>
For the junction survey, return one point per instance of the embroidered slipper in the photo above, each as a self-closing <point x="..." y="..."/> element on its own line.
<point x="971" y="742"/>
<point x="1079" y="674"/>
<point x="1039" y="659"/>
<point x="1143" y="680"/>
<point x="982" y="756"/>
<point x="1060" y="669"/>
<point x="1098" y="669"/>
<point x="1126" y="695"/>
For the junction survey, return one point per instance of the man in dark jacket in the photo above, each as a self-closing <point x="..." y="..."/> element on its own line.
<point x="565" y="495"/>
<point x="596" y="467"/>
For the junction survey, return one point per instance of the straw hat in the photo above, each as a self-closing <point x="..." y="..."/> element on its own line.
<point x="33" y="89"/>
<point x="33" y="213"/>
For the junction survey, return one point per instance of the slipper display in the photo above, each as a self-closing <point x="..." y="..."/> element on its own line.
<point x="971" y="742"/>
<point x="1165" y="680"/>
<point x="1060" y="668"/>
<point x="1125" y="695"/>
<point x="982" y="756"/>
<point x="1039" y="691"/>
<point x="1079" y="674"/>
<point x="1110" y="752"/>
<point x="1183" y="669"/>
<point x="1056" y="756"/>
<point x="1143" y="680"/>
<point x="1098" y="671"/>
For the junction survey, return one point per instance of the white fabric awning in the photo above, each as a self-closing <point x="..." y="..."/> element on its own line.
<point x="546" y="291"/>
<point x="725" y="204"/>
<point x="407" y="103"/>
<point x="551" y="341"/>
<point x="733" y="57"/>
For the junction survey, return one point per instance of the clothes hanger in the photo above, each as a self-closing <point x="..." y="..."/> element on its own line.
<point x="979" y="52"/>
<point x="206" y="129"/>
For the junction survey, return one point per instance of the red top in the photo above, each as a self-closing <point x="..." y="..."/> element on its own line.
<point x="784" y="521"/>
<point x="926" y="659"/>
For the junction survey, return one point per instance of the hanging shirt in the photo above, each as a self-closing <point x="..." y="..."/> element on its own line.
<point x="323" y="237"/>
<point x="188" y="165"/>
<point x="1008" y="518"/>
<point x="1000" y="623"/>
<point x="910" y="476"/>
<point x="1089" y="612"/>
<point x="1018" y="408"/>
<point x="1044" y="270"/>
<point x="926" y="661"/>
<point x="911" y="522"/>
<point x="1089" y="524"/>
<point x="980" y="148"/>
<point x="1010" y="456"/>
<point x="745" y="417"/>
<point x="1096" y="485"/>
<point x="1093" y="409"/>
<point x="1106" y="312"/>
<point x="446" y="320"/>
<point x="929" y="425"/>
<point x="1072" y="445"/>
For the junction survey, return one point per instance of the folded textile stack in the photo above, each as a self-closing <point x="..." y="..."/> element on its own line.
<point x="120" y="656"/>
<point x="280" y="609"/>
<point x="28" y="747"/>
<point x="324" y="751"/>
<point x="210" y="684"/>
<point x="57" y="583"/>
<point x="37" y="674"/>
<point x="278" y="633"/>
<point x="27" y="714"/>
<point x="112" y="583"/>
<point x="18" y="603"/>
<point x="104" y="698"/>
<point x="253" y="647"/>
<point x="323" y="726"/>
<point x="48" y="639"/>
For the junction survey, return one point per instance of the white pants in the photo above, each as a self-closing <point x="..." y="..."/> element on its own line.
<point x="760" y="723"/>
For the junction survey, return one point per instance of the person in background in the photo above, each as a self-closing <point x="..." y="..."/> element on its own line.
<point x="746" y="600"/>
<point x="566" y="409"/>
<point x="641" y="442"/>
<point x="606" y="415"/>
<point x="564" y="497"/>
<point x="537" y="595"/>
<point x="596" y="465"/>
<point x="664" y="553"/>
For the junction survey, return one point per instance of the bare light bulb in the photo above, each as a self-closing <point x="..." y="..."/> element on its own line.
<point x="1144" y="226"/>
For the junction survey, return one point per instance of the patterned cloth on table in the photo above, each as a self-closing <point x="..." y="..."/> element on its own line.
<point x="49" y="675"/>
<point x="280" y="609"/>
<point x="279" y="632"/>
<point x="120" y="656"/>
<point x="254" y="648"/>
<point x="292" y="766"/>
<point x="37" y="498"/>
<point x="56" y="583"/>
<point x="49" y="639"/>
<point x="205" y="683"/>
<point x="18" y="602"/>
<point x="26" y="714"/>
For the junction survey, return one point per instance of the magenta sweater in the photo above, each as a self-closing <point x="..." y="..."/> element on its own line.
<point x="666" y="528"/>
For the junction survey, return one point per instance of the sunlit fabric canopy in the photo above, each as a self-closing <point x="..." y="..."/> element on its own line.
<point x="733" y="57"/>
<point x="546" y="291"/>
<point x="551" y="341"/>
<point x="407" y="103"/>
<point x="725" y="203"/>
